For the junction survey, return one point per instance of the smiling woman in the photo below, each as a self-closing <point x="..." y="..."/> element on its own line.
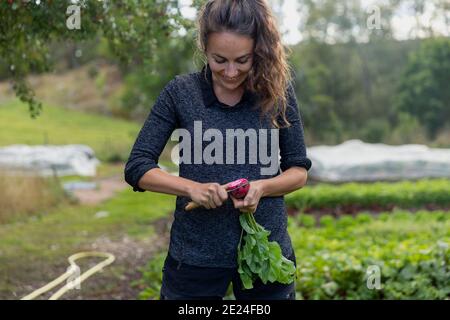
<point x="243" y="48"/>
<point x="231" y="67"/>
<point x="242" y="97"/>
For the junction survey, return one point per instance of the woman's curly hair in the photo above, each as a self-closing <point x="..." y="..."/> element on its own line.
<point x="270" y="74"/>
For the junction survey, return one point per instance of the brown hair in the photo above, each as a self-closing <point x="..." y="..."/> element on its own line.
<point x="270" y="74"/>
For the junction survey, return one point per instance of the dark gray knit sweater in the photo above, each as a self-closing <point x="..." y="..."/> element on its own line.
<point x="204" y="237"/>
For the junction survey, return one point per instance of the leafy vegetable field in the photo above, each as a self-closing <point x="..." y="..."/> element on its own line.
<point x="409" y="253"/>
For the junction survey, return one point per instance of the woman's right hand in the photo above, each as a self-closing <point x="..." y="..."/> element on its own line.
<point x="209" y="195"/>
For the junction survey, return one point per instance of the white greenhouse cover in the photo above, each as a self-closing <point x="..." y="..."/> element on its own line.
<point x="72" y="159"/>
<point x="355" y="160"/>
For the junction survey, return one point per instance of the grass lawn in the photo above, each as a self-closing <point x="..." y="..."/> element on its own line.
<point x="111" y="139"/>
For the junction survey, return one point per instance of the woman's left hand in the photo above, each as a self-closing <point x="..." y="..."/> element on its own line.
<point x="251" y="200"/>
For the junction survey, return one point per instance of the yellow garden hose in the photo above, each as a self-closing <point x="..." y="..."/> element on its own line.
<point x="71" y="271"/>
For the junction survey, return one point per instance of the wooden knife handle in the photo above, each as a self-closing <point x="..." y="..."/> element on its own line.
<point x="191" y="205"/>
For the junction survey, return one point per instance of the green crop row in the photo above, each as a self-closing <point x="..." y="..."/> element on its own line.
<point x="405" y="194"/>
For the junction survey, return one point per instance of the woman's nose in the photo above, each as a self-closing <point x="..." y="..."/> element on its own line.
<point x="231" y="71"/>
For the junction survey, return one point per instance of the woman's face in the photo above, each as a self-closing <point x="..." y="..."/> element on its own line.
<point x="230" y="57"/>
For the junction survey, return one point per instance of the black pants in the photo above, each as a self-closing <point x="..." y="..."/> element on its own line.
<point x="186" y="282"/>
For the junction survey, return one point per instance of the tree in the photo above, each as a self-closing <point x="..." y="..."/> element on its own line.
<point x="424" y="91"/>
<point x="142" y="88"/>
<point x="27" y="29"/>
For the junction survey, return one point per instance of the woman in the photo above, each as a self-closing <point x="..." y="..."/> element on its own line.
<point x="243" y="92"/>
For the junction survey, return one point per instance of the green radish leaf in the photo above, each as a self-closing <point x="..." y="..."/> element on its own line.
<point x="246" y="281"/>
<point x="260" y="257"/>
<point x="275" y="251"/>
<point x="273" y="274"/>
<point x="264" y="275"/>
<point x="245" y="225"/>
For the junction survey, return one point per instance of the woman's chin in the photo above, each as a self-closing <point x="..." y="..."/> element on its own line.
<point x="231" y="85"/>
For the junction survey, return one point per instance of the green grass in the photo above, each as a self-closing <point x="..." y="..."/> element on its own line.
<point x="111" y="139"/>
<point x="45" y="241"/>
<point x="69" y="225"/>
<point x="104" y="170"/>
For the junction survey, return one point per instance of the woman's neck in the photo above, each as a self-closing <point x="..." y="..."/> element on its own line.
<point x="229" y="97"/>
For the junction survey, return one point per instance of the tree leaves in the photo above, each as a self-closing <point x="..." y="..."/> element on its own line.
<point x="260" y="258"/>
<point x="134" y="30"/>
<point x="423" y="91"/>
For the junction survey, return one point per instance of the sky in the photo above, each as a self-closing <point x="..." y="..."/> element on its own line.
<point x="403" y="21"/>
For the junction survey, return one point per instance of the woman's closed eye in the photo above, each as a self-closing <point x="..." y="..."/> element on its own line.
<point x="223" y="61"/>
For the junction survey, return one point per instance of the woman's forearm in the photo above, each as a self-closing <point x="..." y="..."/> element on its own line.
<point x="290" y="180"/>
<point x="158" y="180"/>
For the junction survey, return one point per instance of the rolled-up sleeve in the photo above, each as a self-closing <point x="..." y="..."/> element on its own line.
<point x="152" y="138"/>
<point x="292" y="142"/>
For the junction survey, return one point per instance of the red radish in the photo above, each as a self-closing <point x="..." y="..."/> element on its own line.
<point x="238" y="188"/>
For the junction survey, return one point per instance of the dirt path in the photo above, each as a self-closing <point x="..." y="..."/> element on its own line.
<point x="116" y="282"/>
<point x="107" y="187"/>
